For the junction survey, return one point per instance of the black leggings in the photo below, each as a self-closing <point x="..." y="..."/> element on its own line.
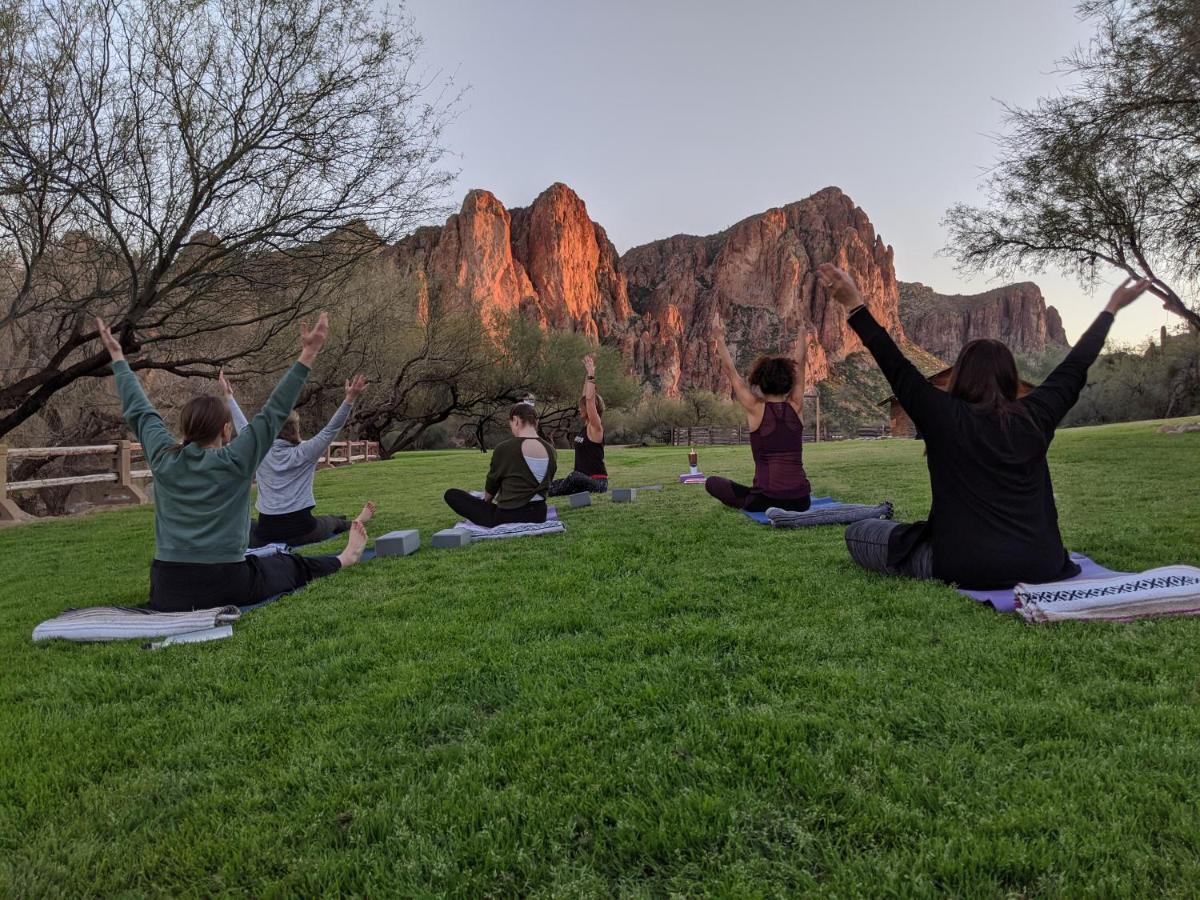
<point x="489" y="515"/>
<point x="315" y="530"/>
<point x="179" y="587"/>
<point x="577" y="483"/>
<point x="867" y="541"/>
<point x="741" y="497"/>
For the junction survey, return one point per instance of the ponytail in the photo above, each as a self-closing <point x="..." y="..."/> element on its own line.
<point x="201" y="421"/>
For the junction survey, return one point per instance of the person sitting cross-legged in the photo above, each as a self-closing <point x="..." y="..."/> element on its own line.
<point x="202" y="493"/>
<point x="776" y="433"/>
<point x="285" y="478"/>
<point x="522" y="468"/>
<point x="589" y="473"/>
<point x="993" y="521"/>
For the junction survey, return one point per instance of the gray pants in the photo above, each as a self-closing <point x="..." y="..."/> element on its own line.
<point x="867" y="541"/>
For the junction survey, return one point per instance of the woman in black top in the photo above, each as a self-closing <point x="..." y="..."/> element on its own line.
<point x="993" y="521"/>
<point x="589" y="473"/>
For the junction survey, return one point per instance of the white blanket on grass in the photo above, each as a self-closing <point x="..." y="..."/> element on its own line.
<point x="1167" y="591"/>
<point x="516" y="529"/>
<point x="119" y="623"/>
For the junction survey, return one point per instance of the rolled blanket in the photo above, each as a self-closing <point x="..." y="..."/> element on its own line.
<point x="1167" y="591"/>
<point x="119" y="623"/>
<point x="516" y="529"/>
<point x="828" y="514"/>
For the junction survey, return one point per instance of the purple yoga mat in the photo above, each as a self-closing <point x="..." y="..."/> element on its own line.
<point x="1004" y="600"/>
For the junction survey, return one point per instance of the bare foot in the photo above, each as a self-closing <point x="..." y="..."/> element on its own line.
<point x="367" y="513"/>
<point x="355" y="546"/>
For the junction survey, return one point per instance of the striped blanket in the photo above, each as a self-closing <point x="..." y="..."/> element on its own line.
<point x="1167" y="591"/>
<point x="119" y="623"/>
<point x="516" y="529"/>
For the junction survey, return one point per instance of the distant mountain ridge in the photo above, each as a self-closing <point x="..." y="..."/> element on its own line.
<point x="1016" y="314"/>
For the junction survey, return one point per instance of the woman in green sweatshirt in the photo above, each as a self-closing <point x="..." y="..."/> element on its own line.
<point x="202" y="492"/>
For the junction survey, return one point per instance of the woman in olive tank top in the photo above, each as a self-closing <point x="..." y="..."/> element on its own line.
<point x="776" y="434"/>
<point x="589" y="473"/>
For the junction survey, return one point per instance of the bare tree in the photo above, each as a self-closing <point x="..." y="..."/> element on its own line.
<point x="1108" y="173"/>
<point x="198" y="174"/>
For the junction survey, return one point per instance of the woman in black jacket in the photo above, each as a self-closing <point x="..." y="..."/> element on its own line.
<point x="993" y="521"/>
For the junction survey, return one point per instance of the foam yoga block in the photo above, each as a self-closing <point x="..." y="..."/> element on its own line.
<point x="398" y="543"/>
<point x="624" y="495"/>
<point x="649" y="487"/>
<point x="583" y="498"/>
<point x="450" y="539"/>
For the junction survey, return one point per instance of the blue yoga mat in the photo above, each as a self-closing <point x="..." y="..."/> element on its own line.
<point x="368" y="555"/>
<point x="815" y="503"/>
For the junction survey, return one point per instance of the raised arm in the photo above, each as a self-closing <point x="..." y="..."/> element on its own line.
<point x="749" y="400"/>
<point x="1055" y="396"/>
<point x="924" y="403"/>
<point x="239" y="417"/>
<point x="313" y="449"/>
<point x="595" y="426"/>
<point x="251" y="445"/>
<point x="796" y="397"/>
<point x="141" y="416"/>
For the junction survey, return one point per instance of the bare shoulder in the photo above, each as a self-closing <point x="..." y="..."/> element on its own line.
<point x="534" y="448"/>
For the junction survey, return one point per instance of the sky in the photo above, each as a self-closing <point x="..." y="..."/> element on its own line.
<point x="672" y="117"/>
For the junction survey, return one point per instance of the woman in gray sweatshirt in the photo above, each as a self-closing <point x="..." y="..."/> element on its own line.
<point x="285" y="477"/>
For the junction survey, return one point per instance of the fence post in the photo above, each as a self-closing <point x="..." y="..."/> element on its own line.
<point x="9" y="511"/>
<point x="125" y="472"/>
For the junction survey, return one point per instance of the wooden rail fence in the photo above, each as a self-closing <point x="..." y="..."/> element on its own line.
<point x="126" y="481"/>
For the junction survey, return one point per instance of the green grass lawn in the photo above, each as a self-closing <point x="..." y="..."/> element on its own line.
<point x="667" y="698"/>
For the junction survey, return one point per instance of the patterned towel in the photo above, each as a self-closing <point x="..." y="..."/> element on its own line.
<point x="119" y="623"/>
<point x="516" y="529"/>
<point x="826" y="511"/>
<point x="1167" y="591"/>
<point x="1004" y="600"/>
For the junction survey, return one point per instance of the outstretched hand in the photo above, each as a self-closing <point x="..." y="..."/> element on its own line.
<point x="223" y="383"/>
<point x="354" y="388"/>
<point x="1126" y="293"/>
<point x="313" y="339"/>
<point x="589" y="366"/>
<point x="839" y="285"/>
<point x="111" y="344"/>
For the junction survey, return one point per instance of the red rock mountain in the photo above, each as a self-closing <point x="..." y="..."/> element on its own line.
<point x="659" y="302"/>
<point x="759" y="277"/>
<point x="1016" y="314"/>
<point x="549" y="259"/>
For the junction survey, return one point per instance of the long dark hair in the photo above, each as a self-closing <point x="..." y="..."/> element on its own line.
<point x="985" y="375"/>
<point x="201" y="420"/>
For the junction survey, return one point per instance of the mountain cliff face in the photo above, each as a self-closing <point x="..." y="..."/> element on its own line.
<point x="549" y="260"/>
<point x="759" y="278"/>
<point x="659" y="302"/>
<point x="1016" y="314"/>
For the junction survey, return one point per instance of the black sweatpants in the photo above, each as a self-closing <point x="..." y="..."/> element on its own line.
<point x="180" y="587"/>
<point x="867" y="541"/>
<point x="741" y="497"/>
<point x="577" y="483"/>
<point x="489" y="515"/>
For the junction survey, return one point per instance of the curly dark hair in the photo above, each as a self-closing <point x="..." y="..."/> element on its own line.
<point x="774" y="375"/>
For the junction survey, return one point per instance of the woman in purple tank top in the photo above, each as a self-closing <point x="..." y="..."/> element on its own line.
<point x="776" y="434"/>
